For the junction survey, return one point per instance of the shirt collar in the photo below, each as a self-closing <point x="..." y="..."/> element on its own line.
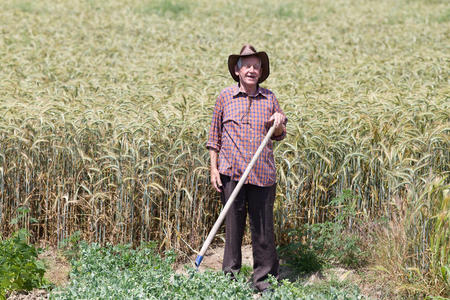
<point x="259" y="90"/>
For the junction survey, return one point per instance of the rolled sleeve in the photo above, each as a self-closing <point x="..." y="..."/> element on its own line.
<point x="281" y="136"/>
<point x="215" y="130"/>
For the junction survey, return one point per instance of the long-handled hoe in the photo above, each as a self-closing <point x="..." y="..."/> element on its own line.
<point x="230" y="201"/>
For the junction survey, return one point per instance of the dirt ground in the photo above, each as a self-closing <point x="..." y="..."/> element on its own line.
<point x="213" y="259"/>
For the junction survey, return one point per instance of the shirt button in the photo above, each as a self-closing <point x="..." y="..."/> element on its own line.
<point x="251" y="141"/>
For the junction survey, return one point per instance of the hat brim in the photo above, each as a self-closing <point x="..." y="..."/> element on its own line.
<point x="233" y="59"/>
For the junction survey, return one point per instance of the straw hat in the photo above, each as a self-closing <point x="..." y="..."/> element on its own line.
<point x="249" y="50"/>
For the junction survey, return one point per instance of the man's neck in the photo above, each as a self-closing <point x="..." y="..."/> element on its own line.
<point x="249" y="90"/>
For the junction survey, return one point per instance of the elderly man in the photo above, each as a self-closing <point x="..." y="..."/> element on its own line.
<point x="243" y="113"/>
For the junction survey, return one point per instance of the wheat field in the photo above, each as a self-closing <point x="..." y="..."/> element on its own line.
<point x="105" y="108"/>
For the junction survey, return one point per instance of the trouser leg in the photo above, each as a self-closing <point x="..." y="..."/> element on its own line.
<point x="234" y="227"/>
<point x="265" y="258"/>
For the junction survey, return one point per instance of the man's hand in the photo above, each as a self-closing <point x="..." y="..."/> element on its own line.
<point x="278" y="120"/>
<point x="215" y="175"/>
<point x="215" y="180"/>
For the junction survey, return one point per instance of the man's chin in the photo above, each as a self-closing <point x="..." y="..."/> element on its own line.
<point x="251" y="82"/>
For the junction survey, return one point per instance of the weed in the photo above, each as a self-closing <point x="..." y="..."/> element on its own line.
<point x="444" y="17"/>
<point x="71" y="246"/>
<point x="311" y="246"/>
<point x="326" y="290"/>
<point x="298" y="254"/>
<point x="20" y="268"/>
<point x="288" y="10"/>
<point x="166" y="7"/>
<point x="245" y="271"/>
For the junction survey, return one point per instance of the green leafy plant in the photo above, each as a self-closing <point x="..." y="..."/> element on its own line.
<point x="20" y="268"/>
<point x="121" y="272"/>
<point x="71" y="246"/>
<point x="313" y="245"/>
<point x="326" y="290"/>
<point x="21" y="217"/>
<point x="298" y="254"/>
<point x="287" y="10"/>
<point x="166" y="7"/>
<point x="246" y="271"/>
<point x="333" y="239"/>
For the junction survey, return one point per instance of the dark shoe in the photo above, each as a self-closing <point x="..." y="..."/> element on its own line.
<point x="231" y="274"/>
<point x="262" y="287"/>
<point x="269" y="290"/>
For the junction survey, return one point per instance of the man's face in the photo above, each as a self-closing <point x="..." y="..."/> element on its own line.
<point x="250" y="71"/>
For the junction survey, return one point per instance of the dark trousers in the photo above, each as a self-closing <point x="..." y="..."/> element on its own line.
<point x="258" y="201"/>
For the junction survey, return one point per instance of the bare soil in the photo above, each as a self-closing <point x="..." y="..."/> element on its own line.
<point x="58" y="268"/>
<point x="213" y="258"/>
<point x="31" y="295"/>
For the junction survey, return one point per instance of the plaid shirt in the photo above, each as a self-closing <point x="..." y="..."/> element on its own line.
<point x="238" y="128"/>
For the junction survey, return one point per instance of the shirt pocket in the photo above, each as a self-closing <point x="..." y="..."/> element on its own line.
<point x="232" y="114"/>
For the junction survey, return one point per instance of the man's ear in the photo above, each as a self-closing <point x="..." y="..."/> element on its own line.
<point x="236" y="70"/>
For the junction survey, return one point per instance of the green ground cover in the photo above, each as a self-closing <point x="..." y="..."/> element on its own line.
<point x="119" y="272"/>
